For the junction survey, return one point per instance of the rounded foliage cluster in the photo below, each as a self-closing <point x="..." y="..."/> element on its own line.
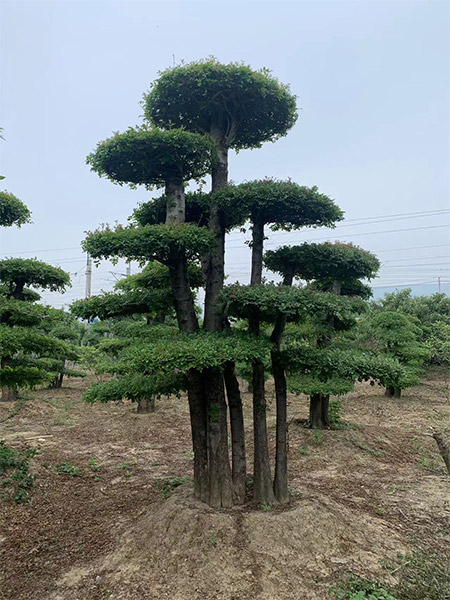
<point x="242" y="106"/>
<point x="12" y="211"/>
<point x="152" y="156"/>
<point x="19" y="272"/>
<point x="323" y="262"/>
<point x="284" y="204"/>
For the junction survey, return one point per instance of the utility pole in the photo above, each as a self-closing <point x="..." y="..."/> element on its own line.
<point x="88" y="276"/>
<point x="439" y="284"/>
<point x="128" y="269"/>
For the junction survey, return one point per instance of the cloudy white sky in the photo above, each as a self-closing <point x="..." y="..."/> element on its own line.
<point x="372" y="80"/>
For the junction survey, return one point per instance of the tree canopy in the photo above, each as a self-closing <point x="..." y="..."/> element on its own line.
<point x="20" y="272"/>
<point x="330" y="261"/>
<point x="232" y="101"/>
<point x="283" y="204"/>
<point x="151" y="156"/>
<point x="12" y="211"/>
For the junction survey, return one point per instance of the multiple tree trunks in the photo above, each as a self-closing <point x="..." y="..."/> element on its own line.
<point x="145" y="406"/>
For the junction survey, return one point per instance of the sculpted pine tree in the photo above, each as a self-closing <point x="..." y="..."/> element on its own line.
<point x="236" y="107"/>
<point x="282" y="205"/>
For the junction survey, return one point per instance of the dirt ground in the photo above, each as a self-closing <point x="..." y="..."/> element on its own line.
<point x="362" y="495"/>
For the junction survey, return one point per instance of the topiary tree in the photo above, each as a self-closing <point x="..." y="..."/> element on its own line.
<point x="12" y="211"/>
<point x="236" y="115"/>
<point x="399" y="336"/>
<point x="332" y="267"/>
<point x="26" y="350"/>
<point x="283" y="205"/>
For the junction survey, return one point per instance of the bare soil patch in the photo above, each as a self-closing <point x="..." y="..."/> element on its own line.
<point x="361" y="496"/>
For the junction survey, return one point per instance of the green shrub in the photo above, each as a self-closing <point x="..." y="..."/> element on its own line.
<point x="14" y="475"/>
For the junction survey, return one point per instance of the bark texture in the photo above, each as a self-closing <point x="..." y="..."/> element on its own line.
<point x="262" y="481"/>
<point x="280" y="483"/>
<point x="220" y="480"/>
<point x="315" y="411"/>
<point x="197" y="410"/>
<point x="239" y="463"/>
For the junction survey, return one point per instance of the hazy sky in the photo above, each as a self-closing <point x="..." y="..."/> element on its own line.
<point x="372" y="80"/>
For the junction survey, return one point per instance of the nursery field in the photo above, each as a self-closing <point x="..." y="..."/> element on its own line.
<point x="112" y="513"/>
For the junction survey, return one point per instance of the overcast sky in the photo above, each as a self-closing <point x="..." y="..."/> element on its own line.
<point x="372" y="80"/>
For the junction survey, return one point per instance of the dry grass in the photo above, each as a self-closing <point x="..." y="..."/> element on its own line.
<point x="362" y="496"/>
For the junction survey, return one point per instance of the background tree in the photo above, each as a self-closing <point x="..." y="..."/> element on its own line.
<point x="25" y="348"/>
<point x="399" y="335"/>
<point x="12" y="211"/>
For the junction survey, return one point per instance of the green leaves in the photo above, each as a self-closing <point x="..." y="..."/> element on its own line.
<point x="325" y="262"/>
<point x="296" y="303"/>
<point x="12" y="210"/>
<point x="194" y="351"/>
<point x="20" y="272"/>
<point x="284" y="204"/>
<point x="153" y="242"/>
<point x="135" y="386"/>
<point x="236" y="105"/>
<point x="152" y="156"/>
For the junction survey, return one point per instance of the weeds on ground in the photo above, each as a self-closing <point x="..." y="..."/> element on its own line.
<point x="167" y="486"/>
<point x="126" y="468"/>
<point x="67" y="468"/>
<point x="15" y="479"/>
<point x="93" y="464"/>
<point x="19" y="405"/>
<point x="423" y="575"/>
<point x="317" y="437"/>
<point x="356" y="588"/>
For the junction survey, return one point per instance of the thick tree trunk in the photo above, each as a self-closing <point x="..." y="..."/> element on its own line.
<point x="280" y="483"/>
<point x="181" y="290"/>
<point x="197" y="409"/>
<point x="239" y="464"/>
<point x="393" y="392"/>
<point x="325" y="410"/>
<point x="145" y="406"/>
<point x="315" y="411"/>
<point x="9" y="394"/>
<point x="214" y="263"/>
<point x="220" y="480"/>
<point x="262" y="481"/>
<point x="175" y="201"/>
<point x="257" y="250"/>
